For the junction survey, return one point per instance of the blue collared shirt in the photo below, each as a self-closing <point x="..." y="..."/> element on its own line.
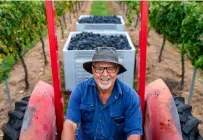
<point x="120" y="117"/>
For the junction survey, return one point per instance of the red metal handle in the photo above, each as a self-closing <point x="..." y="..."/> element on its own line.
<point x="55" y="67"/>
<point x="142" y="52"/>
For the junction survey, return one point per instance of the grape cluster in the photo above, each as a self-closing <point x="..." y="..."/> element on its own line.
<point x="90" y="41"/>
<point x="100" y="19"/>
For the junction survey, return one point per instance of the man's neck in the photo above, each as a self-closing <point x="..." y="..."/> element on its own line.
<point x="105" y="91"/>
<point x="105" y="94"/>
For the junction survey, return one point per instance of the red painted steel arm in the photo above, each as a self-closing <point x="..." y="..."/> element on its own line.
<point x="55" y="67"/>
<point x="142" y="52"/>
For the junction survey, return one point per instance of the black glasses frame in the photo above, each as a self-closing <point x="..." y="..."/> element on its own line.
<point x="108" y="69"/>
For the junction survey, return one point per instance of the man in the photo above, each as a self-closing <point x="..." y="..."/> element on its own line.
<point x="103" y="107"/>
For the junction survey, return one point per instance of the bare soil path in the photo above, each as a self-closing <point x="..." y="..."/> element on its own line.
<point x="36" y="69"/>
<point x="170" y="67"/>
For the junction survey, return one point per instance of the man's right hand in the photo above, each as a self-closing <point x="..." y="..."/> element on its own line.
<point x="69" y="129"/>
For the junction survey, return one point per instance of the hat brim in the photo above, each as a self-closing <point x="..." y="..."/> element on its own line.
<point x="88" y="66"/>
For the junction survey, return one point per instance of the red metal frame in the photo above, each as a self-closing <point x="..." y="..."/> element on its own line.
<point x="142" y="52"/>
<point x="55" y="67"/>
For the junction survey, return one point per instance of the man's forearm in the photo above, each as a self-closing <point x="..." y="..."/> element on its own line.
<point x="69" y="129"/>
<point x="134" y="137"/>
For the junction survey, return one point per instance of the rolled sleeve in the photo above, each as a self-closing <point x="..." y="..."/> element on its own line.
<point x="133" y="115"/>
<point x="73" y="108"/>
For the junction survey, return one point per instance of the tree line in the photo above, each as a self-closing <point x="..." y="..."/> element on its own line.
<point x="180" y="22"/>
<point x="23" y="23"/>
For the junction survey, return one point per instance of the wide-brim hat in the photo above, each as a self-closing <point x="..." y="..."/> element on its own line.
<point x="104" y="54"/>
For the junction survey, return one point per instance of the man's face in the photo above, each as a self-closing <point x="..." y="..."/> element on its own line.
<point x="105" y="74"/>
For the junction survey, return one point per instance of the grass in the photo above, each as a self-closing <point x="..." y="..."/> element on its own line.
<point x="135" y="84"/>
<point x="99" y="8"/>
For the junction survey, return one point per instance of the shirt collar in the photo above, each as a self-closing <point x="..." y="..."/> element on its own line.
<point x="91" y="82"/>
<point x="116" y="86"/>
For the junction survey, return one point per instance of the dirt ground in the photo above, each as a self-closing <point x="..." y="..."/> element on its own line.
<point x="169" y="69"/>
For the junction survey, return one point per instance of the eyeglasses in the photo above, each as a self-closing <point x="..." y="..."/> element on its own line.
<point x="100" y="70"/>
